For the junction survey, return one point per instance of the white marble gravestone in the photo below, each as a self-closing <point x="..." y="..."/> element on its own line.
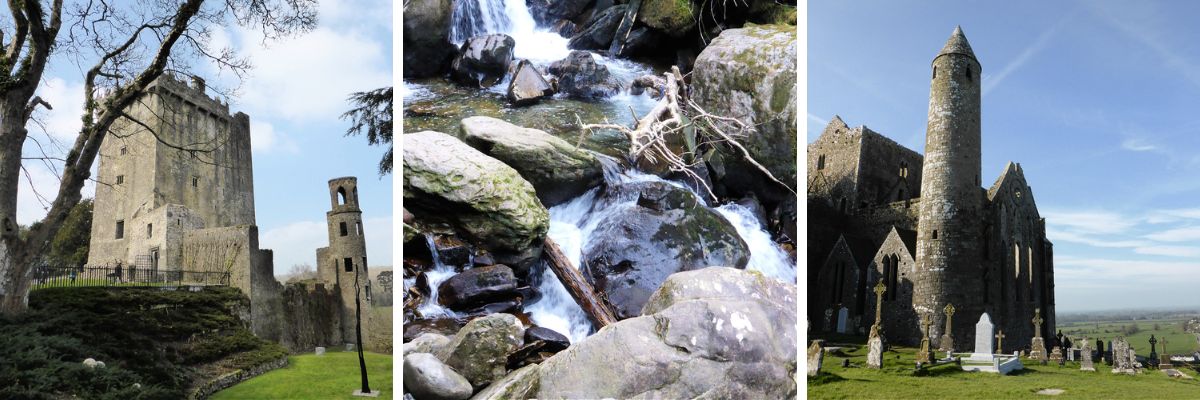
<point x="843" y="317"/>
<point x="984" y="333"/>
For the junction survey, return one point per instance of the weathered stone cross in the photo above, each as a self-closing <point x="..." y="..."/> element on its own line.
<point x="1000" y="342"/>
<point x="949" y="310"/>
<point x="1037" y="323"/>
<point x="925" y="324"/>
<point x="879" y="289"/>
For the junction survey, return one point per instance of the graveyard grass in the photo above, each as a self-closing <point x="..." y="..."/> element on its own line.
<point x="308" y="376"/>
<point x="897" y="381"/>
<point x="1178" y="341"/>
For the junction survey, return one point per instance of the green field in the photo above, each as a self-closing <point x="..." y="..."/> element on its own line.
<point x="898" y="381"/>
<point x="331" y="376"/>
<point x="1178" y="341"/>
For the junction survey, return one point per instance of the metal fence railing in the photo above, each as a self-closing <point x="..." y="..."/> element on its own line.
<point x="83" y="276"/>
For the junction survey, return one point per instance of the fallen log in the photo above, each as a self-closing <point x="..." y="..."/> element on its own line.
<point x="583" y="292"/>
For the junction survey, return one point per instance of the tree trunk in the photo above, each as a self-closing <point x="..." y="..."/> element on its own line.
<point x="14" y="254"/>
<point x="596" y="309"/>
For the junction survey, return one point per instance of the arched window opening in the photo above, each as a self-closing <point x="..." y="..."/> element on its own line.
<point x="934" y="72"/>
<point x="969" y="77"/>
<point x="821" y="162"/>
<point x="892" y="278"/>
<point x="904" y="169"/>
<point x="341" y="196"/>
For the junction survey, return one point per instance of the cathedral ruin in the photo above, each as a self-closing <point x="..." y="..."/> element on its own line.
<point x="924" y="226"/>
<point x="176" y="196"/>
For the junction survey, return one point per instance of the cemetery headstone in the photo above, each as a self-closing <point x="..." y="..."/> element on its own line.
<point x="1038" y="346"/>
<point x="1056" y="355"/>
<point x="1166" y="358"/>
<point x="816" y="354"/>
<point x="320" y="351"/>
<point x="1152" y="361"/>
<point x="947" y="342"/>
<point x="983" y="339"/>
<point x="875" y="339"/>
<point x="925" y="354"/>
<point x="1085" y="363"/>
<point x="828" y="320"/>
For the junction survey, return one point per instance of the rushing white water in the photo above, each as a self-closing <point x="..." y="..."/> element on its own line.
<point x="512" y="18"/>
<point x="572" y="224"/>
<point x="440" y="273"/>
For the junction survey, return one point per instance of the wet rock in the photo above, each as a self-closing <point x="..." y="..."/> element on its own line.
<point x="477" y="286"/>
<point x="558" y="170"/>
<point x="528" y="86"/>
<point x="668" y="231"/>
<point x="492" y="205"/>
<point x="441" y="326"/>
<point x="755" y="208"/>
<point x="673" y="17"/>
<point x="426" y="377"/>
<point x="482" y="259"/>
<point x="520" y="384"/>
<point x="554" y="341"/>
<point x="425" y="343"/>
<point x="566" y="9"/>
<point x="581" y="77"/>
<point x="641" y="41"/>
<point x="427" y="46"/>
<point x="657" y="86"/>
<point x="750" y="74"/>
<point x="480" y="350"/>
<point x="509" y="306"/>
<point x="452" y="251"/>
<point x="738" y="342"/>
<point x="482" y="61"/>
<point x="598" y="34"/>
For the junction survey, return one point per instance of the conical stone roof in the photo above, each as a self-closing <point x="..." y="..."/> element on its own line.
<point x="957" y="44"/>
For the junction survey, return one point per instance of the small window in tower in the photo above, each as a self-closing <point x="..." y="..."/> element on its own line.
<point x="120" y="179"/>
<point x="904" y="169"/>
<point x="969" y="78"/>
<point x="342" y="228"/>
<point x="149" y="230"/>
<point x="821" y="162"/>
<point x="124" y="150"/>
<point x="935" y="233"/>
<point x="358" y="228"/>
<point x="121" y="229"/>
<point x="935" y="72"/>
<point x="349" y="263"/>
<point x="195" y="181"/>
<point x="341" y="196"/>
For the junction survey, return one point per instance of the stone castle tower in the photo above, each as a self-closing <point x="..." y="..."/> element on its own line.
<point x="180" y="163"/>
<point x="948" y="235"/>
<point x="924" y="225"/>
<point x="347" y="252"/>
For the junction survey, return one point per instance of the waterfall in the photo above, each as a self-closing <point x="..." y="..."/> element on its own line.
<point x="512" y="18"/>
<point x="440" y="273"/>
<point x="478" y="17"/>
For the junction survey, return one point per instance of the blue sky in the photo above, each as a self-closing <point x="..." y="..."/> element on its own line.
<point x="294" y="96"/>
<point x="1096" y="100"/>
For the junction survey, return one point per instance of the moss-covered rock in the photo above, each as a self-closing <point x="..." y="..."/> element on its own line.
<point x="750" y="74"/>
<point x="673" y="17"/>
<point x="483" y="198"/>
<point x="479" y="352"/>
<point x="558" y="170"/>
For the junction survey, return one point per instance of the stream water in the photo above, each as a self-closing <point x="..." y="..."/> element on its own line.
<point x="436" y="104"/>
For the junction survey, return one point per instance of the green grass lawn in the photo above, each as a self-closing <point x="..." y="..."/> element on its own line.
<point x="331" y="376"/>
<point x="897" y="381"/>
<point x="1178" y="341"/>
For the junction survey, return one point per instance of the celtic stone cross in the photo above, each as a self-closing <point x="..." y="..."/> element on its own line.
<point x="1037" y="323"/>
<point x="1000" y="342"/>
<point x="879" y="289"/>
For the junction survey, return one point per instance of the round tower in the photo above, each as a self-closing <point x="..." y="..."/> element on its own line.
<point x="949" y="230"/>
<point x="347" y="252"/>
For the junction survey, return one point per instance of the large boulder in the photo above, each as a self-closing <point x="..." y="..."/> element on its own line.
<point x="666" y="231"/>
<point x="478" y="286"/>
<point x="673" y="17"/>
<point x="520" y="384"/>
<point x="599" y="33"/>
<point x="581" y="77"/>
<point x="750" y="74"/>
<point x="483" y="60"/>
<point x="527" y="85"/>
<point x="427" y="46"/>
<point x="558" y="170"/>
<point x="425" y="343"/>
<point x="484" y="199"/>
<point x="709" y="333"/>
<point x="426" y="377"/>
<point x="480" y="350"/>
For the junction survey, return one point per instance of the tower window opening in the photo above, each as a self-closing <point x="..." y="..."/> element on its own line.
<point x="935" y="72"/>
<point x="839" y="276"/>
<point x="342" y="228"/>
<point x="969" y="77"/>
<point x="149" y="230"/>
<point x="341" y="196"/>
<point x="821" y="162"/>
<point x="892" y="280"/>
<point x="358" y="228"/>
<point x="124" y="150"/>
<point x="904" y="169"/>
<point x="120" y="229"/>
<point x="349" y="264"/>
<point x="195" y="181"/>
<point x="935" y="234"/>
<point x="120" y="179"/>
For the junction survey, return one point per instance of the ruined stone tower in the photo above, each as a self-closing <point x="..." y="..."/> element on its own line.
<point x="948" y="235"/>
<point x="347" y="252"/>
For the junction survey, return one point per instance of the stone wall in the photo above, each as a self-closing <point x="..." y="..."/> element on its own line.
<point x="311" y="312"/>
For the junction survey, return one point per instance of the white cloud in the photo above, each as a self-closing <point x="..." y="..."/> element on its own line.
<point x="1184" y="234"/>
<point x="1128" y="272"/>
<point x="64" y="121"/>
<point x="1171" y="251"/>
<point x="264" y="139"/>
<point x="1101" y="222"/>
<point x="1135" y="144"/>
<point x="308" y="78"/>
<point x="1065" y="236"/>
